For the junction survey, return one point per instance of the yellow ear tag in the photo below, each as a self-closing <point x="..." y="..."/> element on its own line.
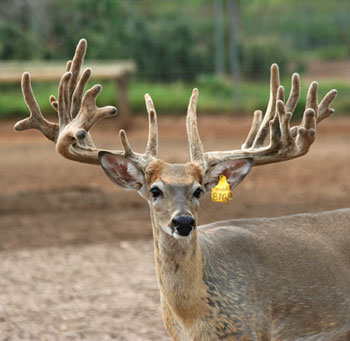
<point x="221" y="192"/>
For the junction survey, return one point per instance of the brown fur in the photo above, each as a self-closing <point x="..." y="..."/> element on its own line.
<point x="218" y="284"/>
<point x="185" y="174"/>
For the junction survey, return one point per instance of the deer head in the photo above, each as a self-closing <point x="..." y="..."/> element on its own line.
<point x="173" y="191"/>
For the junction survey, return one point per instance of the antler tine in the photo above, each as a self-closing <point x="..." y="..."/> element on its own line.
<point x="142" y="160"/>
<point x="89" y="113"/>
<point x="311" y="102"/>
<point x="285" y="142"/>
<point x="74" y="67"/>
<point x="63" y="100"/>
<point x="294" y="93"/>
<point x="323" y="109"/>
<point x="36" y="120"/>
<point x="53" y="102"/>
<point x="306" y="131"/>
<point x="152" y="143"/>
<point x="76" y="64"/>
<point x="280" y="93"/>
<point x="284" y="119"/>
<point x="79" y="92"/>
<point x="128" y="152"/>
<point x="257" y="120"/>
<point x="75" y="142"/>
<point x="68" y="65"/>
<point x="271" y="108"/>
<point x="257" y="124"/>
<point x="196" y="147"/>
<point x="260" y="124"/>
<point x="311" y="97"/>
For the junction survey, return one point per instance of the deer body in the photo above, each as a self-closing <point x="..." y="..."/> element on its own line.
<point x="251" y="279"/>
<point x="284" y="278"/>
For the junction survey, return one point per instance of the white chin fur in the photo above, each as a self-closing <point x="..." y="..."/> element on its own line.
<point x="177" y="236"/>
<point x="174" y="234"/>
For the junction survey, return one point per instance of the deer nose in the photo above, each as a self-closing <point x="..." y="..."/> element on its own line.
<point x="183" y="225"/>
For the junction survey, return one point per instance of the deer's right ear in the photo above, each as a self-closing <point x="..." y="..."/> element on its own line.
<point x="121" y="171"/>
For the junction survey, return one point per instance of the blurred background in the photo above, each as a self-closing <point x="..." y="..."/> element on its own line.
<point x="225" y="48"/>
<point x="76" y="252"/>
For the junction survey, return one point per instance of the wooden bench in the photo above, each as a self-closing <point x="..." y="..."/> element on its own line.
<point x="118" y="71"/>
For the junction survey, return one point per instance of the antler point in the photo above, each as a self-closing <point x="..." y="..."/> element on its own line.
<point x="81" y="134"/>
<point x="16" y="127"/>
<point x="82" y="41"/>
<point x="310" y="112"/>
<point x="97" y="88"/>
<point x="312" y="132"/>
<point x="67" y="75"/>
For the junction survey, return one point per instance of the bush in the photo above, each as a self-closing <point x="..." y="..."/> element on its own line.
<point x="257" y="55"/>
<point x="16" y="43"/>
<point x="338" y="52"/>
<point x="167" y="49"/>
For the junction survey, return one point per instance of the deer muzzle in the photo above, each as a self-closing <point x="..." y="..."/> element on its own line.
<point x="183" y="225"/>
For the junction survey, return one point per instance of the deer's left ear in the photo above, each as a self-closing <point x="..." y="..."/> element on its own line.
<point x="234" y="171"/>
<point x="121" y="171"/>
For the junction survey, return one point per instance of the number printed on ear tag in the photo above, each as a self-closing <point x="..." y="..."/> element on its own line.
<point x="221" y="192"/>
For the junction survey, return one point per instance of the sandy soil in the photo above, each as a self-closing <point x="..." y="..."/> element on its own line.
<point x="76" y="251"/>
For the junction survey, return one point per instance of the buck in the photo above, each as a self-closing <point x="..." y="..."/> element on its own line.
<point x="284" y="278"/>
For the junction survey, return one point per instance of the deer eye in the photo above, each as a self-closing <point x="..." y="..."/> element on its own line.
<point x="156" y="192"/>
<point x="197" y="193"/>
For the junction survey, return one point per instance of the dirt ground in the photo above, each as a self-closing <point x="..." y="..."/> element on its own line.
<point x="328" y="70"/>
<point x="76" y="251"/>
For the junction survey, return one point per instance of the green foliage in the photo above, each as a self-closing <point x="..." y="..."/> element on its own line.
<point x="215" y="96"/>
<point x="337" y="52"/>
<point x="167" y="50"/>
<point x="97" y="21"/>
<point x="257" y="55"/>
<point x="302" y="25"/>
<point x="12" y="102"/>
<point x="16" y="43"/>
<point x="173" y="41"/>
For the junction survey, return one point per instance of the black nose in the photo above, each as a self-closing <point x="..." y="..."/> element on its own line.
<point x="183" y="225"/>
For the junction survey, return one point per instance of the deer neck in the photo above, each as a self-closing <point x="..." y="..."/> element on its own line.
<point x="179" y="265"/>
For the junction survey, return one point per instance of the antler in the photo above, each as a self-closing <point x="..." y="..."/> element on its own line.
<point x="77" y="113"/>
<point x="196" y="147"/>
<point x="285" y="142"/>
